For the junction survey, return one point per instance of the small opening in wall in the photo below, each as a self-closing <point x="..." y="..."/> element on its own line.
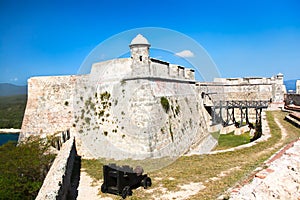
<point x="141" y="58"/>
<point x="202" y="95"/>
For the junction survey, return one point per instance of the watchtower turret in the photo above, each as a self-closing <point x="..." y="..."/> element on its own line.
<point x="139" y="49"/>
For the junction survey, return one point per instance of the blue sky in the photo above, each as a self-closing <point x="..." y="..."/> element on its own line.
<point x="244" y="38"/>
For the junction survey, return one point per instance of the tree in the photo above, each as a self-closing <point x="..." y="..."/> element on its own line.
<point x="23" y="168"/>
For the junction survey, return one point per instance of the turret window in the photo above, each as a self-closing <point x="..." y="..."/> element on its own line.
<point x="141" y="58"/>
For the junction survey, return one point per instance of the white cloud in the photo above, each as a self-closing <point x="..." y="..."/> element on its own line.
<point x="185" y="54"/>
<point x="14" y="79"/>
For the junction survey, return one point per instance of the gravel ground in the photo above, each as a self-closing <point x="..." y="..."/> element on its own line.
<point x="87" y="189"/>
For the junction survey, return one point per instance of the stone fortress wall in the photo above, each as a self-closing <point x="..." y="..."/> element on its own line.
<point x="244" y="89"/>
<point x="254" y="88"/>
<point x="49" y="106"/>
<point x="136" y="107"/>
<point x="116" y="111"/>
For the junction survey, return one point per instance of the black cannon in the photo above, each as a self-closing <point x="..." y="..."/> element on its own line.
<point x="120" y="180"/>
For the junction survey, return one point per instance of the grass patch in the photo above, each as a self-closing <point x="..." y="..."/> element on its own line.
<point x="165" y="104"/>
<point x="230" y="140"/>
<point x="93" y="167"/>
<point x="202" y="168"/>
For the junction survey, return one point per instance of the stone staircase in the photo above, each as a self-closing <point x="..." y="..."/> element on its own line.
<point x="293" y="118"/>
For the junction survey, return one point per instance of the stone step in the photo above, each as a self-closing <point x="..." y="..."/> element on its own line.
<point x="292" y="120"/>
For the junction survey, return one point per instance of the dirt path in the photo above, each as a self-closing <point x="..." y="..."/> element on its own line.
<point x="88" y="189"/>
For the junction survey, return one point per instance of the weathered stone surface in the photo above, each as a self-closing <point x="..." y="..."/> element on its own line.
<point x="49" y="106"/>
<point x="279" y="181"/>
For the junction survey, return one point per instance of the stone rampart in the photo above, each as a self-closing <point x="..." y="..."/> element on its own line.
<point x="114" y="114"/>
<point x="252" y="88"/>
<point x="49" y="106"/>
<point x="237" y="92"/>
<point x="57" y="183"/>
<point x="126" y="118"/>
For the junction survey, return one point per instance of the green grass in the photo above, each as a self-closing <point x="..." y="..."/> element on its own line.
<point x="93" y="167"/>
<point x="12" y="110"/>
<point x="230" y="140"/>
<point x="201" y="168"/>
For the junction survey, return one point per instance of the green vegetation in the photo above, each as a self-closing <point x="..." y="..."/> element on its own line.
<point x="89" y="104"/>
<point x="230" y="140"/>
<point x="101" y="113"/>
<point x="12" y="110"/>
<point x="165" y="104"/>
<point x="87" y="120"/>
<point x="105" y="96"/>
<point x="227" y="169"/>
<point x="93" y="167"/>
<point x="23" y="168"/>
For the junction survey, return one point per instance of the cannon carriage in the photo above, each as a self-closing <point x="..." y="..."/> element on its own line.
<point x="120" y="180"/>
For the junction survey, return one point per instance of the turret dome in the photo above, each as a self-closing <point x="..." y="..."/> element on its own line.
<point x="139" y="40"/>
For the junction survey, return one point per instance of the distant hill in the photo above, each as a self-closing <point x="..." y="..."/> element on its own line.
<point x="290" y="84"/>
<point x="7" y="89"/>
<point x="12" y="110"/>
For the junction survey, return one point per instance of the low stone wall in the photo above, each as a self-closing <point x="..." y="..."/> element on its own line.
<point x="232" y="128"/>
<point x="293" y="118"/>
<point x="58" y="180"/>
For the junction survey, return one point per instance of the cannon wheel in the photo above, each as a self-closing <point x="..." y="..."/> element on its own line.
<point x="126" y="192"/>
<point x="103" y="188"/>
<point x="146" y="182"/>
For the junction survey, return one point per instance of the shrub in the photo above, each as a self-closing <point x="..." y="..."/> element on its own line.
<point x="104" y="96"/>
<point x="23" y="168"/>
<point x="165" y="104"/>
<point x="87" y="120"/>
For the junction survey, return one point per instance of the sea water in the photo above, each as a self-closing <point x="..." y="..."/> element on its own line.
<point x="5" y="137"/>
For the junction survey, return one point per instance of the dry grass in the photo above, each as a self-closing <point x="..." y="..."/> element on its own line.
<point x="226" y="169"/>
